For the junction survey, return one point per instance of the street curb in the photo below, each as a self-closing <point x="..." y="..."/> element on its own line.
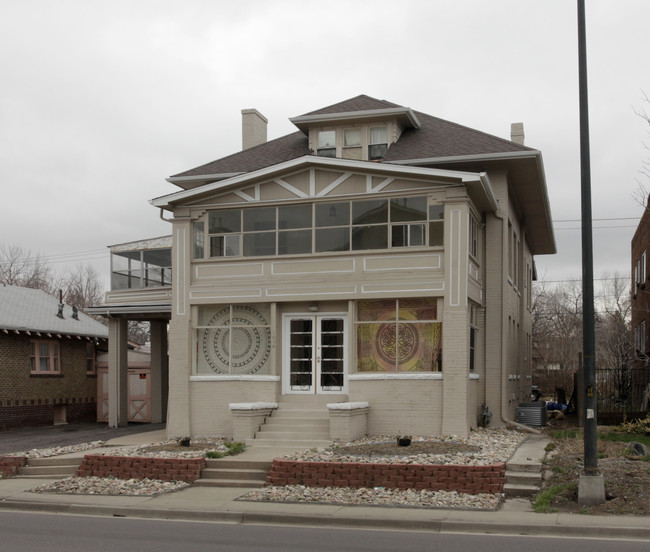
<point x="553" y="529"/>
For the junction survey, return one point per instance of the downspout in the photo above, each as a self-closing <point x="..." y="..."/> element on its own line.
<point x="163" y="218"/>
<point x="504" y="344"/>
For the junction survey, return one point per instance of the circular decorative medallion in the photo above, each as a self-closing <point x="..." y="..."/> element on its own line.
<point x="389" y="347"/>
<point x="238" y="345"/>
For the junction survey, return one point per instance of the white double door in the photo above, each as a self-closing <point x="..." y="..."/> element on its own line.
<point x="314" y="353"/>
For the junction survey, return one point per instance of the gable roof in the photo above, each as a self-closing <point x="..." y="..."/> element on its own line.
<point x="434" y="138"/>
<point x="33" y="310"/>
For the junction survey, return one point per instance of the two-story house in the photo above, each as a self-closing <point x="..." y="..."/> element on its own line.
<point x="378" y="258"/>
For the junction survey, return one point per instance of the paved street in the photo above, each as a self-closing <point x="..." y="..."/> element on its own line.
<point x="63" y="435"/>
<point x="25" y="532"/>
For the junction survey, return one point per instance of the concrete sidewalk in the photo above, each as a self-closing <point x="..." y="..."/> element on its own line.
<point x="222" y="505"/>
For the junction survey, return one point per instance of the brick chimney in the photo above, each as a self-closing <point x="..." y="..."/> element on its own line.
<point x="517" y="133"/>
<point x="253" y="127"/>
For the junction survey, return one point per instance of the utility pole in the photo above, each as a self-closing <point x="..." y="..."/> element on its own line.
<point x="591" y="487"/>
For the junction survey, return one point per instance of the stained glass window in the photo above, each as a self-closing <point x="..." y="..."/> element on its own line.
<point x="398" y="336"/>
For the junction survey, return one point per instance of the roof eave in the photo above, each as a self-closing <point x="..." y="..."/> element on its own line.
<point x="198" y="178"/>
<point x="168" y="201"/>
<point x="406" y="114"/>
<point x="541" y="244"/>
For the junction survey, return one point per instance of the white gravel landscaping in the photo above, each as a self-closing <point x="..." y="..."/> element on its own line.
<point x="110" y="486"/>
<point x="493" y="446"/>
<point x="377" y="496"/>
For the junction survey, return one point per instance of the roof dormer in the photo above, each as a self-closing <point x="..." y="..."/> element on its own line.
<point x="364" y="135"/>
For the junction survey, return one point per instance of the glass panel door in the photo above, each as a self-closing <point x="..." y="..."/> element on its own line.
<point x="301" y="355"/>
<point x="315" y="354"/>
<point x="331" y="347"/>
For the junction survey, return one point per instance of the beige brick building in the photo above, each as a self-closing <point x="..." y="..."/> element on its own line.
<point x="47" y="360"/>
<point x="375" y="264"/>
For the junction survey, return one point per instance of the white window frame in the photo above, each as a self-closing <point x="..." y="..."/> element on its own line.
<point x="53" y="357"/>
<point x="91" y="358"/>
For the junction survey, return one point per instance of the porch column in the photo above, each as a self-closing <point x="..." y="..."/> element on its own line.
<point x="159" y="371"/>
<point x="455" y="324"/>
<point x="118" y="406"/>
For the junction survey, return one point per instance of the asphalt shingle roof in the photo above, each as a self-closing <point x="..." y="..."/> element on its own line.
<point x="436" y="138"/>
<point x="33" y="310"/>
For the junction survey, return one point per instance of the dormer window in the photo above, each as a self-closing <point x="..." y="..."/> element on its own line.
<point x="352" y="143"/>
<point x="378" y="143"/>
<point x="365" y="143"/>
<point x="327" y="143"/>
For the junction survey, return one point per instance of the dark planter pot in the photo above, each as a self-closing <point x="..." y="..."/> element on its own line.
<point x="403" y="442"/>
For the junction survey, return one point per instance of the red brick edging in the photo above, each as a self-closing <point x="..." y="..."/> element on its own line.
<point x="465" y="479"/>
<point x="9" y="465"/>
<point x="138" y="467"/>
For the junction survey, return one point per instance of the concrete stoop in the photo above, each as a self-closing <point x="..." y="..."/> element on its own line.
<point x="524" y="469"/>
<point x="299" y="422"/>
<point x="233" y="473"/>
<point x="50" y="468"/>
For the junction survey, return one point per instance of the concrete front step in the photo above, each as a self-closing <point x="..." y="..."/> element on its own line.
<point x="230" y="463"/>
<point x="524" y="466"/>
<point x="297" y="423"/>
<point x="228" y="483"/>
<point x="517" y="491"/>
<point x="289" y="443"/>
<point x="236" y="474"/>
<point x="50" y="468"/>
<point x="297" y="414"/>
<point x="293" y="435"/>
<point x="54" y="461"/>
<point x="230" y="472"/>
<point x="310" y="401"/>
<point x="50" y="472"/>
<point x="524" y="478"/>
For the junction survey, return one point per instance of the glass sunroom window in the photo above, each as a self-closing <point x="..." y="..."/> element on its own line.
<point x="320" y="227"/>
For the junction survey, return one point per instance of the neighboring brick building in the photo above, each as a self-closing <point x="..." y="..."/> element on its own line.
<point x="48" y="371"/>
<point x="640" y="288"/>
<point x="638" y="380"/>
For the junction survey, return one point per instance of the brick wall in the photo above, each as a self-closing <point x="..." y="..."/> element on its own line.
<point x="465" y="479"/>
<point x="9" y="465"/>
<point x="30" y="400"/>
<point x="130" y="467"/>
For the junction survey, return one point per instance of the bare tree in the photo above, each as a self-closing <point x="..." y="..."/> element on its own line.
<point x="641" y="193"/>
<point x="557" y="334"/>
<point x="557" y="330"/>
<point x="139" y="331"/>
<point x="614" y="345"/>
<point x="19" y="268"/>
<point x="83" y="288"/>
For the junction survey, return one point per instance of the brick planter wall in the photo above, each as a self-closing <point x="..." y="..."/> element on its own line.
<point x="132" y="467"/>
<point x="465" y="479"/>
<point x="9" y="465"/>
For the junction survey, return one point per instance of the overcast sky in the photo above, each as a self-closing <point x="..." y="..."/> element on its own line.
<point x="101" y="101"/>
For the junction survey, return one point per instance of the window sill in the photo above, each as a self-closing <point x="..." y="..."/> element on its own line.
<point x="357" y="252"/>
<point x="227" y="377"/>
<point x="396" y="376"/>
<point x="45" y="375"/>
